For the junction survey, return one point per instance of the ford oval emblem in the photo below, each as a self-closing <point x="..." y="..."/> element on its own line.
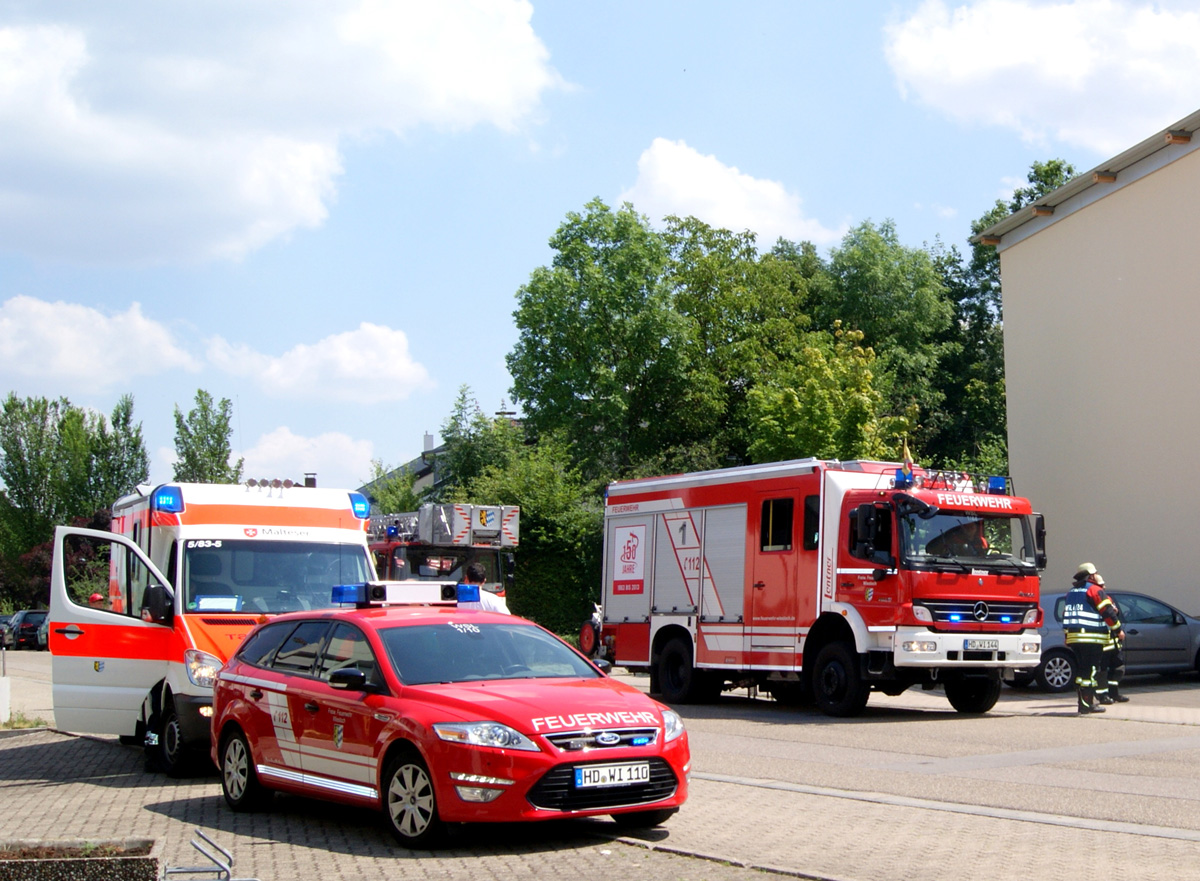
<point x="608" y="738"/>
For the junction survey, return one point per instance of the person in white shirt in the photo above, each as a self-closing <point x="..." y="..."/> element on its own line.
<point x="488" y="601"/>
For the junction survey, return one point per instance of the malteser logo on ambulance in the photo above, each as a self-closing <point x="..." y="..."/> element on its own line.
<point x="628" y="544"/>
<point x="250" y="532"/>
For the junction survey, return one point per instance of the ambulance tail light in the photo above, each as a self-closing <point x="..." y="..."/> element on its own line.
<point x="360" y="506"/>
<point x="201" y="667"/>
<point x="168" y="499"/>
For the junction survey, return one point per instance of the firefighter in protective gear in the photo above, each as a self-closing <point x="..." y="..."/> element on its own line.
<point x="1114" y="668"/>
<point x="1090" y="619"/>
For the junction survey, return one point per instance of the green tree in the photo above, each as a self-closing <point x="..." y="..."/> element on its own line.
<point x="472" y="442"/>
<point x="391" y="490"/>
<point x="603" y="356"/>
<point x="202" y="447"/>
<point x="558" y="562"/>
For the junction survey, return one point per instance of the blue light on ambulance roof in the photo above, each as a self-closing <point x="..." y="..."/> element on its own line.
<point x="349" y="593"/>
<point x="360" y="506"/>
<point x="169" y="499"/>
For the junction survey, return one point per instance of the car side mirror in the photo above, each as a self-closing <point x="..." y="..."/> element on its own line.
<point x="158" y="604"/>
<point x="604" y="665"/>
<point x="349" y="679"/>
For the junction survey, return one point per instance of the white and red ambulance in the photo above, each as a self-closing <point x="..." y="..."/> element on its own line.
<point x="190" y="570"/>
<point x="822" y="577"/>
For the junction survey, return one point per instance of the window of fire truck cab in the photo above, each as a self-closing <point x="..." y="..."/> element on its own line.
<point x="264" y="576"/>
<point x="440" y="564"/>
<point x="967" y="538"/>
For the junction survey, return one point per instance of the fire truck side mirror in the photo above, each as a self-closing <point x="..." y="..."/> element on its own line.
<point x="157" y="602"/>
<point x="510" y="569"/>
<point x="865" y="524"/>
<point x="1039" y="540"/>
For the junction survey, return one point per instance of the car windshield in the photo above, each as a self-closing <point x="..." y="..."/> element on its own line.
<point x="268" y="576"/>
<point x="963" y="539"/>
<point x="460" y="651"/>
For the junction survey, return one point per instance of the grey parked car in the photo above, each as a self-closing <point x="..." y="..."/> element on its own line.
<point x="1158" y="639"/>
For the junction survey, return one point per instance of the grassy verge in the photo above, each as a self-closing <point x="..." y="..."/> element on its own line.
<point x="20" y="720"/>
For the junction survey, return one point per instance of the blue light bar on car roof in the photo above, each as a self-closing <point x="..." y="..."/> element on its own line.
<point x="394" y="593"/>
<point x="168" y="499"/>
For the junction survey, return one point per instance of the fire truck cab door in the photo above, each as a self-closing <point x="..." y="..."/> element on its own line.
<point x="773" y="603"/>
<point x="104" y="658"/>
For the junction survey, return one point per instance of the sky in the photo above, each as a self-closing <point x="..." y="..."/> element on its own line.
<point x="322" y="210"/>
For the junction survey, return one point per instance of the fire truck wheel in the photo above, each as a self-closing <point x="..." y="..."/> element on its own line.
<point x="973" y="695"/>
<point x="838" y="689"/>
<point x="409" y="802"/>
<point x="588" y="639"/>
<point x="644" y="819"/>
<point x="678" y="681"/>
<point x="239" y="782"/>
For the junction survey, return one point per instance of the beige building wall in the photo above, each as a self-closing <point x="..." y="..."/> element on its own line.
<point x="1102" y="354"/>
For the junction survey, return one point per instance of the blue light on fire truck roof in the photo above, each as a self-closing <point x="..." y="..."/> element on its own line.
<point x="997" y="486"/>
<point x="360" y="506"/>
<point x="168" y="499"/>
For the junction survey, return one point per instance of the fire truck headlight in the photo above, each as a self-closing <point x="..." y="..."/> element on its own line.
<point x="672" y="726"/>
<point x="484" y="734"/>
<point x="1030" y="648"/>
<point x="916" y="646"/>
<point x="922" y="614"/>
<point x="201" y="667"/>
<point x="1030" y="616"/>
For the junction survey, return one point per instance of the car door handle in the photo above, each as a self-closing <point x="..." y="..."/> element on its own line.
<point x="312" y="707"/>
<point x="69" y="630"/>
<point x="759" y="585"/>
<point x="256" y="694"/>
<point x="1132" y="632"/>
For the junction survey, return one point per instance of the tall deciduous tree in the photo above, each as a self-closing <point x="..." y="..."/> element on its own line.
<point x="202" y="447"/>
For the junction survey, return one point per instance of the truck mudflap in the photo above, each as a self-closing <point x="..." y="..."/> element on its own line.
<point x="921" y="647"/>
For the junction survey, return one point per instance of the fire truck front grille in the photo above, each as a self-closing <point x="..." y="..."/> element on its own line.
<point x="569" y="741"/>
<point x="556" y="791"/>
<point x="976" y="611"/>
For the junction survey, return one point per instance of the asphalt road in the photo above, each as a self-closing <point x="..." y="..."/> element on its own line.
<point x="910" y="789"/>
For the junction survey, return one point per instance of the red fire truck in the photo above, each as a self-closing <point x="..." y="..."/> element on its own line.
<point x="438" y="542"/>
<point x="822" y="578"/>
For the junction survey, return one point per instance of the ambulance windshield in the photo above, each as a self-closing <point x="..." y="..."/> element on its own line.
<point x="249" y="575"/>
<point x="961" y="540"/>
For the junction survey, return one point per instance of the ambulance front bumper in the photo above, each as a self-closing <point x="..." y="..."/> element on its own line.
<point x="921" y="647"/>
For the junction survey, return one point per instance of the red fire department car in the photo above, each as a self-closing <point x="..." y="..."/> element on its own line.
<point x="439" y="715"/>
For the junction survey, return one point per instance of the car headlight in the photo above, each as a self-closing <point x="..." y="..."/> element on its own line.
<point x="201" y="667"/>
<point x="672" y="725"/>
<point x="484" y="734"/>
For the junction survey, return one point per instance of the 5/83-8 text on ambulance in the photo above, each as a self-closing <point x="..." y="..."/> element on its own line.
<point x="439" y="715"/>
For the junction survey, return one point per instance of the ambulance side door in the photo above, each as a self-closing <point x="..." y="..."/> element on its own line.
<point x="106" y="657"/>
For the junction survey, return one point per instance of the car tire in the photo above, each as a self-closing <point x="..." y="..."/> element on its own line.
<point x="838" y="688"/>
<point x="239" y="780"/>
<point x="973" y="694"/>
<point x="172" y="754"/>
<point x="1056" y="672"/>
<point x="644" y="819"/>
<point x="410" y="803"/>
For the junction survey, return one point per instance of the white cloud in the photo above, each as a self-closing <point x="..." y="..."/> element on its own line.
<point x="369" y="365"/>
<point x="675" y="179"/>
<point x="52" y="343"/>
<point x="130" y="135"/>
<point x="337" y="459"/>
<point x="1095" y="74"/>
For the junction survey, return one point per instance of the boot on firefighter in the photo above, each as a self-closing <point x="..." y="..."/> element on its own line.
<point x="1113" y="672"/>
<point x="1091" y="621"/>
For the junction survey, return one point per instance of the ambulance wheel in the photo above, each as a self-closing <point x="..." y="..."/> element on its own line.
<point x="409" y="802"/>
<point x="679" y="682"/>
<point x="644" y="819"/>
<point x="239" y="780"/>
<point x="976" y="694"/>
<point x="838" y="688"/>
<point x="172" y="754"/>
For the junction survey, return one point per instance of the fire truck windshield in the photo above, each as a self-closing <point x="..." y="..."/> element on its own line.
<point x="438" y="564"/>
<point x="253" y="575"/>
<point x="961" y="540"/>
